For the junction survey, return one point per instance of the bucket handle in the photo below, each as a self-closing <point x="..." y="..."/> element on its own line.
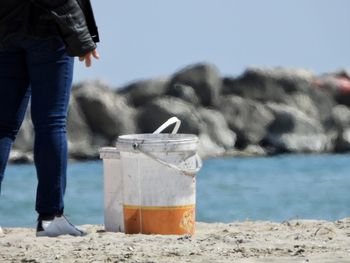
<point x="166" y="124"/>
<point x="185" y="171"/>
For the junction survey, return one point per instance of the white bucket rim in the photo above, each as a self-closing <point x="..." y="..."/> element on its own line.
<point x="109" y="153"/>
<point x="163" y="142"/>
<point x="153" y="138"/>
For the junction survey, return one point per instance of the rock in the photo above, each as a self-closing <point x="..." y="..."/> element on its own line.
<point x="183" y="92"/>
<point x="79" y="134"/>
<point x="342" y="142"/>
<point x="141" y="92"/>
<point x="204" y="79"/>
<point x="344" y="73"/>
<point x="156" y="112"/>
<point x="265" y="84"/>
<point x="20" y="157"/>
<point x="337" y="84"/>
<point x="217" y="128"/>
<point x="324" y="102"/>
<point x="247" y="118"/>
<point x="253" y="150"/>
<point x="208" y="148"/>
<point x="289" y="119"/>
<point x="250" y="87"/>
<point x="294" y="131"/>
<point x="341" y="117"/>
<point x="293" y="87"/>
<point x="299" y="143"/>
<point x="107" y="113"/>
<point x="304" y="103"/>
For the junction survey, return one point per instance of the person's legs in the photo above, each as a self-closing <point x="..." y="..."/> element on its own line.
<point x="14" y="97"/>
<point x="50" y="72"/>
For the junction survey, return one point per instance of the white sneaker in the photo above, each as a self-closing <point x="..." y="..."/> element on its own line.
<point x="57" y="227"/>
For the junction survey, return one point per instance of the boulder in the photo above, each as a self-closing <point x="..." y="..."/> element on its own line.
<point x="183" y="92"/>
<point x="324" y="102"/>
<point x="293" y="131"/>
<point x="216" y="127"/>
<point x="342" y="142"/>
<point x="254" y="150"/>
<point x="141" y="92"/>
<point x="264" y="84"/>
<point x="306" y="104"/>
<point x="107" y="114"/>
<point x="156" y="112"/>
<point x="249" y="119"/>
<point x="204" y="79"/>
<point x="79" y="134"/>
<point x="208" y="148"/>
<point x="341" y="117"/>
<point x="294" y="87"/>
<point x="20" y="157"/>
<point x="337" y="84"/>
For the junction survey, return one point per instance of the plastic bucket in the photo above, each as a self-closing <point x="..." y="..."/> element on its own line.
<point x="113" y="190"/>
<point x="159" y="184"/>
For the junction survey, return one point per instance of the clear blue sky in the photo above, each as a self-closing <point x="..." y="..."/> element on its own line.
<point x="151" y="38"/>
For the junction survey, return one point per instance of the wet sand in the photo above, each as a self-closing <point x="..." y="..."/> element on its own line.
<point x="259" y="241"/>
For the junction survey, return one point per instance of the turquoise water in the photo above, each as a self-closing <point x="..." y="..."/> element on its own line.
<point x="266" y="188"/>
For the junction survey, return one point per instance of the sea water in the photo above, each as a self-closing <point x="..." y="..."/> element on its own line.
<point x="275" y="188"/>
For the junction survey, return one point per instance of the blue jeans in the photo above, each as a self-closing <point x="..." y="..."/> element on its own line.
<point x="39" y="70"/>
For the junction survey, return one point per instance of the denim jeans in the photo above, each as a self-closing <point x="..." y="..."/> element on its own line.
<point x="37" y="70"/>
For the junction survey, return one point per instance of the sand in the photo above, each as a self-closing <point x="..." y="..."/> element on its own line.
<point x="290" y="241"/>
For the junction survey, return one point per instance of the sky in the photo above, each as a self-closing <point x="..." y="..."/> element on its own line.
<point x="142" y="39"/>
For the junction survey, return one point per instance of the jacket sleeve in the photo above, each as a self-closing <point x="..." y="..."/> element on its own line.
<point x="72" y="24"/>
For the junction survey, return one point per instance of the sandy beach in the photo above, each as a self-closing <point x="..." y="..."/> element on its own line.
<point x="290" y="241"/>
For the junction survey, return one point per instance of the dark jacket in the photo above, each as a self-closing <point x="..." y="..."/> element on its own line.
<point x="73" y="20"/>
<point x="85" y="5"/>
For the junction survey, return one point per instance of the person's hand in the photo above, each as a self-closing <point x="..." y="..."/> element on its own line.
<point x="88" y="57"/>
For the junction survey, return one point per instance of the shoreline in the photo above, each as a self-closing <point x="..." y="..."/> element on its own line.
<point x="246" y="241"/>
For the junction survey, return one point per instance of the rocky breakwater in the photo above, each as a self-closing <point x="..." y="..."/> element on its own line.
<point x="263" y="111"/>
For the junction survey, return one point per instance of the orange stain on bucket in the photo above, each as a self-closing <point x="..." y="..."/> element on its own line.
<point x="163" y="220"/>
